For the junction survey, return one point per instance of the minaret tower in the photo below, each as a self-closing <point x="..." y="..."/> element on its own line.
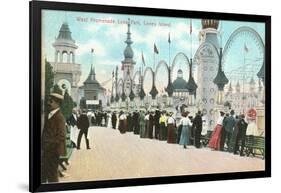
<point x="65" y="68"/>
<point x="128" y="62"/>
<point x="207" y="59"/>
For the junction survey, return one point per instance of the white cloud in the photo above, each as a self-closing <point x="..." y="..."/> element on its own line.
<point x="102" y="62"/>
<point x="98" y="47"/>
<point x="118" y="32"/>
<point x="92" y="28"/>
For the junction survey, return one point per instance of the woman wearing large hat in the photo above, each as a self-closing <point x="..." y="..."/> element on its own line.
<point x="122" y="122"/>
<point x="172" y="136"/>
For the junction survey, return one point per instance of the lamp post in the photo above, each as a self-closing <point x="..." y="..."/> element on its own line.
<point x="220" y="80"/>
<point x="169" y="89"/>
<point x="191" y="86"/>
<point x="153" y="92"/>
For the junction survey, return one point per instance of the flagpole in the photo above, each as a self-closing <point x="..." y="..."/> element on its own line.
<point x="191" y="37"/>
<point x="169" y="50"/>
<point x="154" y="57"/>
<point x="142" y="65"/>
<point x="92" y="56"/>
<point x="243" y="97"/>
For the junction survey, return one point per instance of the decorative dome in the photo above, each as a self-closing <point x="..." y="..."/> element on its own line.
<point x="179" y="83"/>
<point x="128" y="52"/>
<point x="210" y="23"/>
<point x="252" y="81"/>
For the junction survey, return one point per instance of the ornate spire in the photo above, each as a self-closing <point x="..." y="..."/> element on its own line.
<point x="260" y="86"/>
<point x="260" y="74"/>
<point x="92" y="76"/>
<point x="117" y="97"/>
<point x="116" y="84"/>
<point x="169" y="89"/>
<point x="112" y="98"/>
<point x="230" y="88"/>
<point x="142" y="93"/>
<point x="252" y="81"/>
<point x="191" y="85"/>
<point x="220" y="80"/>
<point x="237" y="87"/>
<point x="131" y="95"/>
<point x="123" y="96"/>
<point x="64" y="33"/>
<point x="128" y="52"/>
<point x="153" y="90"/>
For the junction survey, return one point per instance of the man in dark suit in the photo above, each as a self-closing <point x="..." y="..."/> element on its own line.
<point x="83" y="124"/>
<point x="157" y="124"/>
<point x="240" y="135"/>
<point x="197" y="125"/>
<point x="114" y="120"/>
<point x="229" y="127"/>
<point x="53" y="139"/>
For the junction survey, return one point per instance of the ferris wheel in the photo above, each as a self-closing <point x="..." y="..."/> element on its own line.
<point x="243" y="54"/>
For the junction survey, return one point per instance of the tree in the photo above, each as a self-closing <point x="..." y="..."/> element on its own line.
<point x="49" y="82"/>
<point x="67" y="105"/>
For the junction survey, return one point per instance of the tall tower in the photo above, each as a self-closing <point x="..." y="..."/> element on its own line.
<point x="128" y="62"/>
<point x="66" y="71"/>
<point x="207" y="58"/>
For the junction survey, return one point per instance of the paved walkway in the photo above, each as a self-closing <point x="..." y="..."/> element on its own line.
<point x="117" y="156"/>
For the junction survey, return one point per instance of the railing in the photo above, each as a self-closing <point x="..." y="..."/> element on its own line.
<point x="66" y="67"/>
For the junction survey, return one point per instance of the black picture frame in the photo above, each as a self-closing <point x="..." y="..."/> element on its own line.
<point x="35" y="8"/>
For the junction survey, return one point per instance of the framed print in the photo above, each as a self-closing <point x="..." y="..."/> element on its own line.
<point x="126" y="96"/>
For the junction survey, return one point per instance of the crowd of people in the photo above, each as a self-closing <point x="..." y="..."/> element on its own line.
<point x="228" y="135"/>
<point x="231" y="131"/>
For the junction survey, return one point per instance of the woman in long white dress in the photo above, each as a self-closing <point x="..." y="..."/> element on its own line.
<point x="109" y="123"/>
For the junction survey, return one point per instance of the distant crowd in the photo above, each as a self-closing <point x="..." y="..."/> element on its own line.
<point x="228" y="135"/>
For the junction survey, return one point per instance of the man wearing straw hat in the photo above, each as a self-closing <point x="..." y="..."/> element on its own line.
<point x="53" y="138"/>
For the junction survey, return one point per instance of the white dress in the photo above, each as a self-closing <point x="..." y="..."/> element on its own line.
<point x="109" y="124"/>
<point x="252" y="129"/>
<point x="74" y="131"/>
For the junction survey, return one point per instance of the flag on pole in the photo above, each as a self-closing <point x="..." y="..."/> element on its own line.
<point x="155" y="49"/>
<point x="169" y="39"/>
<point x="92" y="50"/>
<point x="190" y="26"/>
<point x="142" y="58"/>
<point x="245" y="48"/>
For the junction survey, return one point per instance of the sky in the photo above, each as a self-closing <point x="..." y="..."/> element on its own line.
<point x="107" y="40"/>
